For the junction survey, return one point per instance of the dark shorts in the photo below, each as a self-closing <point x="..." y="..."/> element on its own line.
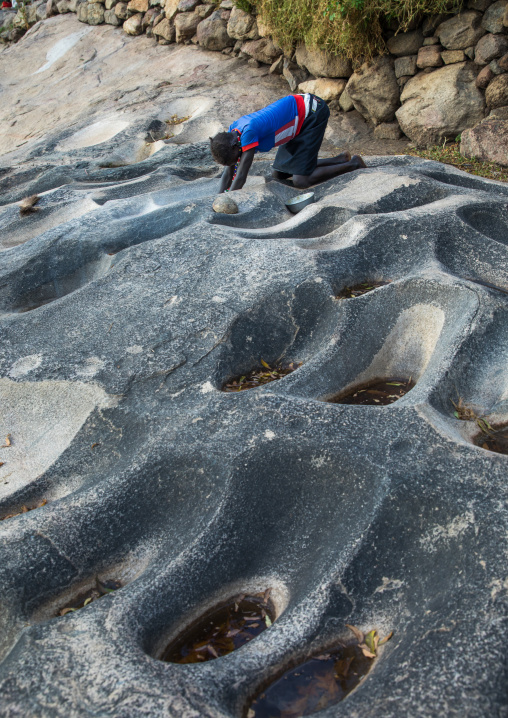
<point x="300" y="155"/>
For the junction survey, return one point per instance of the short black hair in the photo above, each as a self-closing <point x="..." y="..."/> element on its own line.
<point x="224" y="148"/>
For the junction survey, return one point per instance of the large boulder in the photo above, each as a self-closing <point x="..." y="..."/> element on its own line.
<point x="484" y="77"/>
<point x="262" y="50"/>
<point x="489" y="47"/>
<point x="493" y="18"/>
<point x="496" y="94"/>
<point x="82" y="11"/>
<point x="120" y="10"/>
<point x="405" y="66"/>
<point x="322" y="64"/>
<point x="242" y="25"/>
<point x="294" y="74"/>
<point x="52" y="8"/>
<point x="186" y="24"/>
<point x="503" y="62"/>
<point x="440" y="104"/>
<point x="325" y="87"/>
<point x="133" y="25"/>
<point x="212" y="33"/>
<point x="188" y="5"/>
<point x="481" y="5"/>
<point x="488" y="141"/>
<point x="374" y="91"/>
<point x="165" y="29"/>
<point x="405" y="43"/>
<point x="95" y="14"/>
<point x="171" y="8"/>
<point x="203" y="10"/>
<point x="110" y="18"/>
<point x="41" y="12"/>
<point x="429" y="56"/>
<point x="431" y="23"/>
<point x="449" y="57"/>
<point x="345" y="102"/>
<point x="134" y="6"/>
<point x="461" y="31"/>
<point x="387" y="131"/>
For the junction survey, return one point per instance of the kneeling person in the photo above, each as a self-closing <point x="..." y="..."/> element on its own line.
<point x="295" y="124"/>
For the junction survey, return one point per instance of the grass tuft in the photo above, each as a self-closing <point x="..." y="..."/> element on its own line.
<point x="450" y="155"/>
<point x="349" y="28"/>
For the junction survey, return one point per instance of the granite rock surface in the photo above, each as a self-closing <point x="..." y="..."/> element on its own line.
<point x="126" y="303"/>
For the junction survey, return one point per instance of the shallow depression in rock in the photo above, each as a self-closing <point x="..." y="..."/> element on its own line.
<point x="380" y="392"/>
<point x="97" y="133"/>
<point x="58" y="288"/>
<point x="357" y="290"/>
<point x="490" y="221"/>
<point x="496" y="441"/>
<point x="101" y="588"/>
<point x="259" y="376"/>
<point x="222" y="629"/>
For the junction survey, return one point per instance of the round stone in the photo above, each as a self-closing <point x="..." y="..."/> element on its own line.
<point x="224" y="204"/>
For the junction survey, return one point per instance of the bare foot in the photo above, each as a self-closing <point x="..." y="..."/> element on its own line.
<point x="340" y="159"/>
<point x="358" y="161"/>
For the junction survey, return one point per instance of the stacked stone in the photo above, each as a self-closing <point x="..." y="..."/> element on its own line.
<point x="450" y="70"/>
<point x="438" y="80"/>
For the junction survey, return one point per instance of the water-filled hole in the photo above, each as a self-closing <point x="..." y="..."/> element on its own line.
<point x="101" y="588"/>
<point x="358" y="289"/>
<point x="259" y="376"/>
<point x="495" y="440"/>
<point x="222" y="629"/>
<point x="321" y="681"/>
<point x="379" y="392"/>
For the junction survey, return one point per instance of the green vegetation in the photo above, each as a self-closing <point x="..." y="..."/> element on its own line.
<point x="450" y="155"/>
<point x="351" y="28"/>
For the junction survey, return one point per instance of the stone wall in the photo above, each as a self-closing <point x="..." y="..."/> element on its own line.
<point x="439" y="80"/>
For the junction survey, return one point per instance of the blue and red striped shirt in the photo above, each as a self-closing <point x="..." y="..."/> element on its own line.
<point x="272" y="126"/>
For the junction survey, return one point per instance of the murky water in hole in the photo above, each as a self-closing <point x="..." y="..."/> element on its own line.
<point x="314" y="685"/>
<point x="378" y="393"/>
<point x="358" y="289"/>
<point x="222" y="629"/>
<point x="496" y="441"/>
<point x="259" y="377"/>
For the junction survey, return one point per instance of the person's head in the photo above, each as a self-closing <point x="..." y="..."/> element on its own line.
<point x="225" y="148"/>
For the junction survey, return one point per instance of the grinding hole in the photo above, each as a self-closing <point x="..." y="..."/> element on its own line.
<point x="223" y="629"/>
<point x="490" y="222"/>
<point x="375" y="393"/>
<point x="58" y="288"/>
<point x="95" y="134"/>
<point x="35" y="305"/>
<point x="101" y="588"/>
<point x="260" y="376"/>
<point x="358" y="289"/>
<point x="321" y="681"/>
<point x="23" y="510"/>
<point x="495" y="440"/>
